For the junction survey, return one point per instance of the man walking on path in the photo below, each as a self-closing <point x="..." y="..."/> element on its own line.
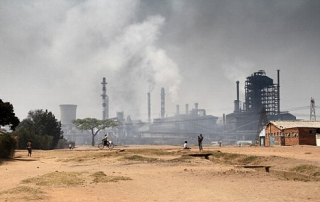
<point x="200" y="138"/>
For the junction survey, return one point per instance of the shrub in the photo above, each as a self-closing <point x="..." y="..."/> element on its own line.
<point x="7" y="146"/>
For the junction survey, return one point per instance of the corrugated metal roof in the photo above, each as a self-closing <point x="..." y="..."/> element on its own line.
<point x="296" y="124"/>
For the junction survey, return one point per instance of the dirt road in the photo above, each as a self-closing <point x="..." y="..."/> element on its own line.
<point x="160" y="173"/>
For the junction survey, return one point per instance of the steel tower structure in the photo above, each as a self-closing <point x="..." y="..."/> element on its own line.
<point x="261" y="92"/>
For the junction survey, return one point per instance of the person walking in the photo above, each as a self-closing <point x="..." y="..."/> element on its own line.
<point x="200" y="138"/>
<point x="29" y="148"/>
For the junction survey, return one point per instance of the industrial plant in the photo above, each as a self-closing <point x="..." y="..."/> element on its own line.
<point x="261" y="104"/>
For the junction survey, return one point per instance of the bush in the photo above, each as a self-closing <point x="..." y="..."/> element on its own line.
<point x="7" y="146"/>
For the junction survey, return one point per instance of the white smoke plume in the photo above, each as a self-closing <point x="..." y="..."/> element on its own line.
<point x="238" y="70"/>
<point x="123" y="50"/>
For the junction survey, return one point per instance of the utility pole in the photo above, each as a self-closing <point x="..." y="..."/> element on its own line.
<point x="312" y="110"/>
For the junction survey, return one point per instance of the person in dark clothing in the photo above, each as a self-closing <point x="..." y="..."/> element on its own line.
<point x="29" y="148"/>
<point x="200" y="138"/>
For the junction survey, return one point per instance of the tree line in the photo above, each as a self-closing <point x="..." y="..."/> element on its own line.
<point x="41" y="128"/>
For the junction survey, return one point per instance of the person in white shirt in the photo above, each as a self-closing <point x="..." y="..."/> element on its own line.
<point x="185" y="145"/>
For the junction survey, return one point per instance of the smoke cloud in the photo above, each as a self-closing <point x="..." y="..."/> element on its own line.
<point x="57" y="52"/>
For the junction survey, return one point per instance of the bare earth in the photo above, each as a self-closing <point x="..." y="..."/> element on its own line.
<point x="159" y="173"/>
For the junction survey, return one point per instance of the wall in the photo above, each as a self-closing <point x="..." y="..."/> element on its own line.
<point x="291" y="136"/>
<point x="305" y="138"/>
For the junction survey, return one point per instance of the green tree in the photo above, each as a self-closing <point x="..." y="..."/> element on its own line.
<point x="42" y="128"/>
<point x="94" y="125"/>
<point x="7" y="115"/>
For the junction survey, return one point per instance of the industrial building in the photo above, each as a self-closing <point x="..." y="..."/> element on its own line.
<point x="166" y="130"/>
<point x="262" y="104"/>
<point x="288" y="133"/>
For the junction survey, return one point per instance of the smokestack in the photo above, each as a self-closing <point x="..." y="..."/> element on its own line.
<point x="237" y="90"/>
<point x="105" y="100"/>
<point x="196" y="107"/>
<point x="149" y="108"/>
<point x="67" y="114"/>
<point x="224" y="122"/>
<point x="177" y="113"/>
<point x="237" y="102"/>
<point x="162" y="103"/>
<point x="187" y="108"/>
<point x="278" y="88"/>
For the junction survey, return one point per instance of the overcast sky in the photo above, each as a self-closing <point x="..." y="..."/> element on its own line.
<point x="57" y="52"/>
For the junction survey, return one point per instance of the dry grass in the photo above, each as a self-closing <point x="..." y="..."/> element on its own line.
<point x="310" y="170"/>
<point x="101" y="177"/>
<point x="139" y="158"/>
<point x="26" y="193"/>
<point x="56" y="179"/>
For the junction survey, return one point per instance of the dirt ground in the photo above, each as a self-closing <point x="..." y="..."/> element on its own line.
<point x="162" y="173"/>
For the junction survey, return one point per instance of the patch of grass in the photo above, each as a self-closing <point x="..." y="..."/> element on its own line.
<point x="139" y="158"/>
<point x="248" y="159"/>
<point x="157" y="152"/>
<point x="230" y="156"/>
<point x="23" y="189"/>
<point x="183" y="158"/>
<point x="101" y="177"/>
<point x="56" y="179"/>
<point x="307" y="169"/>
<point x="26" y="193"/>
<point x="225" y="156"/>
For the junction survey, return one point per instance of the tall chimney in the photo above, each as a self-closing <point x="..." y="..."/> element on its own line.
<point x="177" y="113"/>
<point x="196" y="108"/>
<point x="187" y="108"/>
<point x="224" y="122"/>
<point x="149" y="108"/>
<point x="238" y="90"/>
<point x="105" y="100"/>
<point x="237" y="102"/>
<point x="278" y="88"/>
<point x="162" y="103"/>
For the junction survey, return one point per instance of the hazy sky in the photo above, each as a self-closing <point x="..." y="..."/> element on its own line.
<point x="57" y="52"/>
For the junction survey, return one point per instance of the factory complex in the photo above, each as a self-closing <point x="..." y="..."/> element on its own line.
<point x="246" y="124"/>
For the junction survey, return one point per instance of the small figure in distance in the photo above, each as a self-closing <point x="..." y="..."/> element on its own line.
<point x="29" y="148"/>
<point x="70" y="146"/>
<point x="200" y="138"/>
<point x="185" y="145"/>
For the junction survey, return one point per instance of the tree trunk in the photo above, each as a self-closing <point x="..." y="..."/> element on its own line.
<point x="92" y="140"/>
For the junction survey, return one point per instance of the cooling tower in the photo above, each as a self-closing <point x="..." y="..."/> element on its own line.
<point x="67" y="113"/>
